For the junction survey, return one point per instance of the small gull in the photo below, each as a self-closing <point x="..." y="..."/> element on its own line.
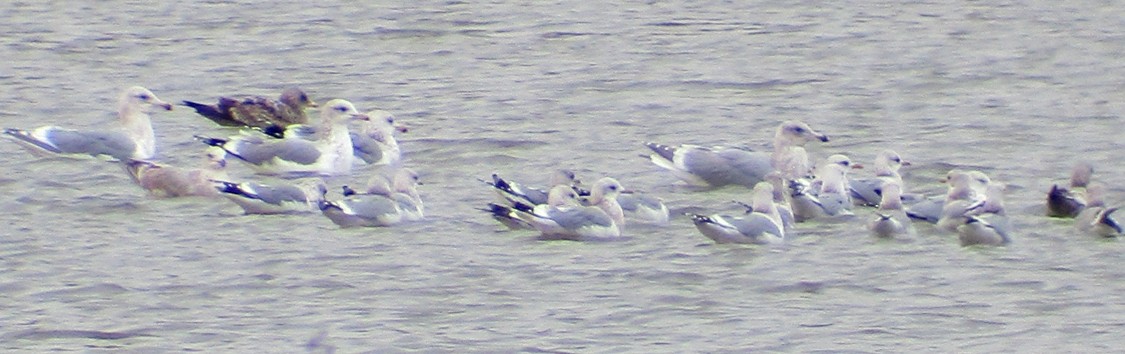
<point x="964" y="189"/>
<point x="986" y="223"/>
<point x="570" y="221"/>
<point x="330" y="154"/>
<point x="1096" y="218"/>
<point x="644" y="208"/>
<point x="762" y="226"/>
<point x="562" y="197"/>
<point x="402" y="188"/>
<point x="718" y="167"/>
<point x="363" y="210"/>
<point x="963" y="195"/>
<point x="165" y="181"/>
<point x="374" y="142"/>
<point x="868" y="191"/>
<point x="604" y="194"/>
<point x="134" y="140"/>
<point x="257" y="111"/>
<point x="890" y="219"/>
<point x="831" y="200"/>
<point x="1068" y="202"/>
<point x="281" y="198"/>
<point x="511" y="192"/>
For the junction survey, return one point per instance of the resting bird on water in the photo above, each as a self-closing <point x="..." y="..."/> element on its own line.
<point x="257" y="111"/>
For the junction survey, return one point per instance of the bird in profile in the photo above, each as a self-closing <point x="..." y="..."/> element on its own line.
<point x="257" y="111"/>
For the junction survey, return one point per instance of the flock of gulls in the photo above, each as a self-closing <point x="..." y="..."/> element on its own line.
<point x="276" y="138"/>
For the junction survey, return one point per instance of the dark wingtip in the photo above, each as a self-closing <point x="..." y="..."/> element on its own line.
<point x="210" y="141"/>
<point x="273" y="130"/>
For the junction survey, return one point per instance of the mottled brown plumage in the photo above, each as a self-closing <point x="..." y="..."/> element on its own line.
<point x="257" y="111"/>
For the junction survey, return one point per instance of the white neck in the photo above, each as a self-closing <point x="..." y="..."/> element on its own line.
<point x="138" y="126"/>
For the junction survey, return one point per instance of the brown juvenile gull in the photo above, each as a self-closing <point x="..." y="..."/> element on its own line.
<point x="257" y="111"/>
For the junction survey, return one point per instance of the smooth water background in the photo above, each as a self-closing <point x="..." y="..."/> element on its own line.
<point x="1019" y="89"/>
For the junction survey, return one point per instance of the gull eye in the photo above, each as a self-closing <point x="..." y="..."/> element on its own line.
<point x="144" y="97"/>
<point x="342" y="108"/>
<point x="391" y="121"/>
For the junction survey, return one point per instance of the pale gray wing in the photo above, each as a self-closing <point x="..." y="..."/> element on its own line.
<point x="576" y="218"/>
<point x="928" y="210"/>
<point x="278" y="194"/>
<point x="728" y="166"/>
<point x="371" y="207"/>
<point x="835" y="204"/>
<point x="366" y="148"/>
<point x="758" y="227"/>
<point x="866" y="191"/>
<point x="256" y="151"/>
<point x="93" y="143"/>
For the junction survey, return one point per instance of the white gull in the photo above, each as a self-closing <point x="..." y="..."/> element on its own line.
<point x="718" y="167"/>
<point x="133" y="140"/>
<point x="329" y="154"/>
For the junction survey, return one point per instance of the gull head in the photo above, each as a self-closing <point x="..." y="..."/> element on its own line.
<point x="137" y="97"/>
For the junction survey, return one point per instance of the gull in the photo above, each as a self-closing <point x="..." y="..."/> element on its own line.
<point x="511" y="192"/>
<point x="1068" y="202"/>
<point x="762" y="226"/>
<point x="557" y="198"/>
<point x="330" y="154"/>
<point x="257" y="111"/>
<point x="963" y="196"/>
<point x="890" y="219"/>
<point x="571" y="221"/>
<point x="374" y="142"/>
<point x="868" y="191"/>
<point x="1096" y="218"/>
<point x="280" y="198"/>
<point x="363" y="210"/>
<point x="986" y="222"/>
<point x="402" y="188"/>
<point x="718" y="167"/>
<point x="134" y="139"/>
<point x="643" y="208"/>
<point x="963" y="187"/>
<point x="165" y="181"/>
<point x="832" y="199"/>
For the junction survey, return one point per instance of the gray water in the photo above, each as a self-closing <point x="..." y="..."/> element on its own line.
<point x="1019" y="89"/>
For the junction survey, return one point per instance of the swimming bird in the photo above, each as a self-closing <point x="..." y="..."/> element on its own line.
<point x="164" y="181"/>
<point x="257" y="111"/>
<point x="963" y="187"/>
<point x="505" y="214"/>
<point x="276" y="198"/>
<point x="868" y="191"/>
<point x="1068" y="202"/>
<point x="643" y="208"/>
<point x="603" y="194"/>
<point x="762" y="226"/>
<point x="831" y="200"/>
<point x="134" y="138"/>
<point x="718" y="167"/>
<point x="986" y="221"/>
<point x="511" y="192"/>
<point x="960" y="200"/>
<point x="571" y="221"/>
<point x="329" y="154"/>
<point x="363" y="210"/>
<point x="890" y="219"/>
<point x="374" y="142"/>
<point x="1096" y="218"/>
<point x="402" y="187"/>
<point x="978" y="231"/>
